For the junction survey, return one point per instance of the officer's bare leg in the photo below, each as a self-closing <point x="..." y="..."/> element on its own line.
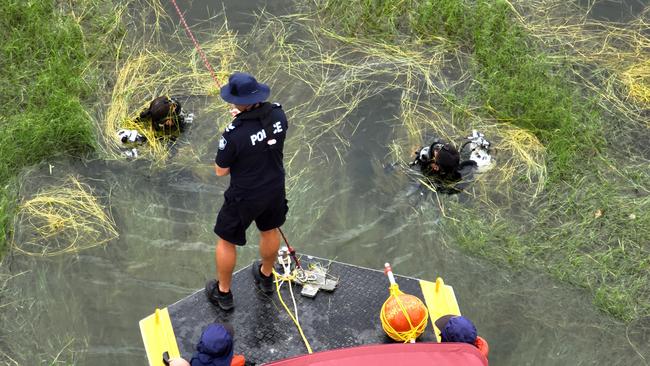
<point x="269" y="245"/>
<point x="225" y="258"/>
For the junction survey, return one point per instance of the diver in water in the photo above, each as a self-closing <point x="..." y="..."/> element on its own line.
<point x="164" y="117"/>
<point x="441" y="162"/>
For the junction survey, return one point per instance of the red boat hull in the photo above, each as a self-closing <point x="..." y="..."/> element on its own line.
<point x="439" y="354"/>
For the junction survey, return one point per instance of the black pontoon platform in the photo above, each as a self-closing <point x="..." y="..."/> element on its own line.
<point x="348" y="316"/>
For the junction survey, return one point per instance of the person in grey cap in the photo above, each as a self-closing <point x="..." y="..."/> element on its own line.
<point x="251" y="152"/>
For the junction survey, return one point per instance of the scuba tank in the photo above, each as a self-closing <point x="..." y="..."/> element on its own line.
<point x="477" y="149"/>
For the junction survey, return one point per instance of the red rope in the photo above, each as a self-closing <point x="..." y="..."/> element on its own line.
<point x="292" y="252"/>
<point x="196" y="44"/>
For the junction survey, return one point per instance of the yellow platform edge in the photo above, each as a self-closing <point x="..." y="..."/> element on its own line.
<point x="440" y="300"/>
<point x="158" y="337"/>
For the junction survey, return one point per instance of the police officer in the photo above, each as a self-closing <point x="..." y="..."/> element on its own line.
<point x="250" y="150"/>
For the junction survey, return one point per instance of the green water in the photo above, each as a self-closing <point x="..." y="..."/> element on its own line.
<point x="86" y="306"/>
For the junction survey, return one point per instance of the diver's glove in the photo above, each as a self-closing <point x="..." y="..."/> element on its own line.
<point x="188" y="118"/>
<point x="130" y="137"/>
<point x="130" y="153"/>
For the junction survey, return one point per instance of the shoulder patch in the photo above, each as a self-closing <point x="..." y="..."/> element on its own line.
<point x="229" y="128"/>
<point x="276" y="105"/>
<point x="222" y="143"/>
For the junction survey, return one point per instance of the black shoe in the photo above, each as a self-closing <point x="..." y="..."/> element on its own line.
<point x="218" y="298"/>
<point x="264" y="283"/>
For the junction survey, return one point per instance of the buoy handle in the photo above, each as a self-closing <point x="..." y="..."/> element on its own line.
<point x="439" y="284"/>
<point x="389" y="272"/>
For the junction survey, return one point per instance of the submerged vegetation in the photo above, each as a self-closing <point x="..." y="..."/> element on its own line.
<point x="569" y="194"/>
<point x="514" y="81"/>
<point x="143" y="74"/>
<point x="50" y="55"/>
<point x="64" y="219"/>
<point x="56" y="59"/>
<point x="550" y="88"/>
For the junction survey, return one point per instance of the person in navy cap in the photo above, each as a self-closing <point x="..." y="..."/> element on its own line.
<point x="456" y="328"/>
<point x="215" y="348"/>
<point x="251" y="152"/>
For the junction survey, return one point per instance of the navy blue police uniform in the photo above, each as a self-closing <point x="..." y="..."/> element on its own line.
<point x="252" y="147"/>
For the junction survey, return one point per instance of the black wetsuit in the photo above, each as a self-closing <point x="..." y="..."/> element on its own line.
<point x="157" y="120"/>
<point x="448" y="182"/>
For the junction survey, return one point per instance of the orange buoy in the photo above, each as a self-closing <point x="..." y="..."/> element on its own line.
<point x="396" y="317"/>
<point x="403" y="316"/>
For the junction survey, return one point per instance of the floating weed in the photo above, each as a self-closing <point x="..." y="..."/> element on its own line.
<point x="60" y="220"/>
<point x="538" y="78"/>
<point x="144" y="75"/>
<point x="527" y="158"/>
<point x="637" y="80"/>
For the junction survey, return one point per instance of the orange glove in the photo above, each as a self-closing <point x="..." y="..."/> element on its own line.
<point x="238" y="360"/>
<point x="482" y="346"/>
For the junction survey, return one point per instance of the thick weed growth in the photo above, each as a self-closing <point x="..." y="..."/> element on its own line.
<point x="47" y="77"/>
<point x="515" y="82"/>
<point x="543" y="83"/>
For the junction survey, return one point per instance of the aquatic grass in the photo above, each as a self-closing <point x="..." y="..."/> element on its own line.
<point x="379" y="17"/>
<point x="64" y="219"/>
<point x="519" y="155"/>
<point x="144" y="75"/>
<point x="528" y="162"/>
<point x="565" y="236"/>
<point x="423" y="75"/>
<point x="538" y="79"/>
<point x="591" y="232"/>
<point x="337" y="87"/>
<point x="613" y="56"/>
<point x="42" y="82"/>
<point x="329" y="63"/>
<point x="45" y="83"/>
<point x="637" y="80"/>
<point x="35" y="346"/>
<point x="514" y="81"/>
<point x="6" y="203"/>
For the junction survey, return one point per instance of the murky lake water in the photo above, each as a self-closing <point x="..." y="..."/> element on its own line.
<point x="354" y="212"/>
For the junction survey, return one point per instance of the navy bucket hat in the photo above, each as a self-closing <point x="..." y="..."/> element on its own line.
<point x="243" y="89"/>
<point x="456" y="329"/>
<point x="215" y="347"/>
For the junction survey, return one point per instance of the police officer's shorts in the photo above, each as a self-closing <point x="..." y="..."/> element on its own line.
<point x="237" y="214"/>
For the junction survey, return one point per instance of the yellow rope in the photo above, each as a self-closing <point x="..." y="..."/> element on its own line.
<point x="289" y="278"/>
<point x="414" y="331"/>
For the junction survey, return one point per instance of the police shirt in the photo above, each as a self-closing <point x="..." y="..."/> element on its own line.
<point x="251" y="146"/>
